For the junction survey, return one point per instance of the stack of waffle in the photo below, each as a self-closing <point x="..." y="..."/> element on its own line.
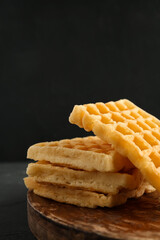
<point x="120" y="162"/>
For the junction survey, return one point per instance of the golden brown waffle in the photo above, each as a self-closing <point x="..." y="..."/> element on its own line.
<point x="81" y="197"/>
<point x="88" y="153"/>
<point x="133" y="132"/>
<point x="92" y="181"/>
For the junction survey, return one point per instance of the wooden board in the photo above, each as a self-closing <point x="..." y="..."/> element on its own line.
<point x="137" y="219"/>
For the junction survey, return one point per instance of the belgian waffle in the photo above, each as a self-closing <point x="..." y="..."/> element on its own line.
<point x="133" y="133"/>
<point x="84" y="198"/>
<point x="79" y="179"/>
<point x="88" y="153"/>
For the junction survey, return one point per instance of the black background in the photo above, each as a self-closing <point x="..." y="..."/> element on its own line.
<point x="55" y="55"/>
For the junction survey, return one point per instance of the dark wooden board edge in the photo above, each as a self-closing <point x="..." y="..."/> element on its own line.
<point x="45" y="229"/>
<point x="137" y="219"/>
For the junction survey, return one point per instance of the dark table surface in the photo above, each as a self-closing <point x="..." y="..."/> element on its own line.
<point x="13" y="202"/>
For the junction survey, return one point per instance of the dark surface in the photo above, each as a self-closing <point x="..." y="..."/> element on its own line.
<point x="13" y="203"/>
<point x="138" y="219"/>
<point x="54" y="55"/>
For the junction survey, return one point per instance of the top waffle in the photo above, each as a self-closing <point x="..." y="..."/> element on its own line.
<point x="133" y="132"/>
<point x="88" y="153"/>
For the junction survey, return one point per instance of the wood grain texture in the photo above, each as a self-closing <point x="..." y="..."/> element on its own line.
<point x="137" y="219"/>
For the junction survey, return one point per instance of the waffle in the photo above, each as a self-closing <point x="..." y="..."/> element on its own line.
<point x="84" y="198"/>
<point x="92" y="181"/>
<point x="133" y="132"/>
<point x="88" y="153"/>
